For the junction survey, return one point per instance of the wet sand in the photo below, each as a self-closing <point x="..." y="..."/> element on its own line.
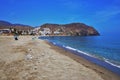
<point x="33" y="59"/>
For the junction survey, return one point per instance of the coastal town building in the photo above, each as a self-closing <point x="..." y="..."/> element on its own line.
<point x="5" y="31"/>
<point x="45" y="31"/>
<point x="11" y="31"/>
<point x="57" y="32"/>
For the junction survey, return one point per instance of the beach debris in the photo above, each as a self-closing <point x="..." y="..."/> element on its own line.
<point x="28" y="57"/>
<point x="35" y="68"/>
<point x="35" y="37"/>
<point x="43" y="54"/>
<point x="29" y="50"/>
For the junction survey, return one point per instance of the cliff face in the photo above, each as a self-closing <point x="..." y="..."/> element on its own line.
<point x="73" y="29"/>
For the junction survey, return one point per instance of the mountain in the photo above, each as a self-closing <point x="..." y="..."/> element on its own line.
<point x="72" y="29"/>
<point x="22" y="27"/>
<point x="7" y="25"/>
<point x="4" y="24"/>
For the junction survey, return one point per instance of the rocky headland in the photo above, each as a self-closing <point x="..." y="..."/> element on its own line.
<point x="73" y="29"/>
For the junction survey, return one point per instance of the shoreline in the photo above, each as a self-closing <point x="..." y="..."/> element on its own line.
<point x="92" y="59"/>
<point x="36" y="59"/>
<point x="103" y="72"/>
<point x="101" y="62"/>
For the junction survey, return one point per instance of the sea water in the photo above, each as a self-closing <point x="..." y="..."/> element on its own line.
<point x="105" y="48"/>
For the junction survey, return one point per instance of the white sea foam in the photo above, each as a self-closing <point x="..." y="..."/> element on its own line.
<point x="84" y="53"/>
<point x="107" y="61"/>
<point x="68" y="47"/>
<point x="54" y="43"/>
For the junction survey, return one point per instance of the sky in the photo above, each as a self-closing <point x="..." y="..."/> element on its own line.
<point x="103" y="15"/>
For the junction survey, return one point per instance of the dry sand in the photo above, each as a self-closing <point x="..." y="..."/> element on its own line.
<point x="33" y="59"/>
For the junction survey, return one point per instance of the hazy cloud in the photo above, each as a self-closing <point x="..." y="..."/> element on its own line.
<point x="73" y="4"/>
<point x="106" y="14"/>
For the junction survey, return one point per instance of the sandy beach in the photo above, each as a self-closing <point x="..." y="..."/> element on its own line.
<point x="33" y="59"/>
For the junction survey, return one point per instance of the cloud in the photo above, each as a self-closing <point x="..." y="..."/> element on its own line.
<point x="106" y="14"/>
<point x="72" y="4"/>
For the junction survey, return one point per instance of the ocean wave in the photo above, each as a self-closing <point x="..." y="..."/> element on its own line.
<point x="79" y="51"/>
<point x="54" y="43"/>
<point x="68" y="47"/>
<point x="107" y="61"/>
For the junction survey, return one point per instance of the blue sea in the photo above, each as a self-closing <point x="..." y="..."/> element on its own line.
<point x="101" y="50"/>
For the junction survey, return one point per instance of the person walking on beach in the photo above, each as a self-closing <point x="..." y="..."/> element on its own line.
<point x="16" y="36"/>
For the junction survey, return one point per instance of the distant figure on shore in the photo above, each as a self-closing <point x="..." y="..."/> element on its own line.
<point x="16" y="36"/>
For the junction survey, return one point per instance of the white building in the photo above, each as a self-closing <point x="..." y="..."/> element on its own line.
<point x="45" y="31"/>
<point x="56" y="32"/>
<point x="4" y="31"/>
